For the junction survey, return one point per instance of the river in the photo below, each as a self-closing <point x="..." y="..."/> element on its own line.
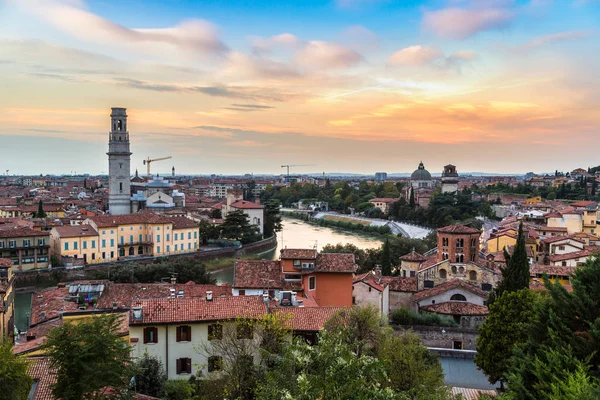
<point x="299" y="234"/>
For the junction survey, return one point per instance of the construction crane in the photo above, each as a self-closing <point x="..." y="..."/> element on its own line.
<point x="297" y="165"/>
<point x="149" y="161"/>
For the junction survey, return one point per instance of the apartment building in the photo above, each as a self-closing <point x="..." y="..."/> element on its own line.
<point x="25" y="247"/>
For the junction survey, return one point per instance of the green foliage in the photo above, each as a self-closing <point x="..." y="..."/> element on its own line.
<point x="386" y="259"/>
<point x="272" y="223"/>
<point x="87" y="357"/>
<point x="562" y="338"/>
<point x="177" y="389"/>
<point x="404" y="316"/>
<point x="14" y="380"/>
<point x="208" y="231"/>
<point x="504" y="330"/>
<point x="411" y="367"/>
<point x="150" y="377"/>
<point x="237" y="227"/>
<point x="40" y="212"/>
<point x="515" y="276"/>
<point x="249" y="190"/>
<point x="187" y="269"/>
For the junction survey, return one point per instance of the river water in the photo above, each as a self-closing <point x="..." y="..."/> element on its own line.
<point x="298" y="234"/>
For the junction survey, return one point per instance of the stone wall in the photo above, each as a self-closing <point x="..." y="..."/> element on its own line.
<point x="444" y="337"/>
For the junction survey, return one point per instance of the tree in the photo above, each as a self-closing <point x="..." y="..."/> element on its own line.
<point x="151" y="376"/>
<point x="386" y="259"/>
<point x="208" y="231"/>
<point x="272" y="218"/>
<point x="563" y="337"/>
<point x="411" y="200"/>
<point x="515" y="276"/>
<point x="241" y="343"/>
<point x="504" y="330"/>
<point x="249" y="191"/>
<point x="14" y="380"/>
<point x="88" y="357"/>
<point x="216" y="214"/>
<point x="40" y="212"/>
<point x="362" y="328"/>
<point x="237" y="227"/>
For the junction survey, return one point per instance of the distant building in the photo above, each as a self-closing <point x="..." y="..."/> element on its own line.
<point x="25" y="247"/>
<point x="380" y="176"/>
<point x="421" y="178"/>
<point x="6" y="301"/>
<point x="449" y="179"/>
<point x="383" y="203"/>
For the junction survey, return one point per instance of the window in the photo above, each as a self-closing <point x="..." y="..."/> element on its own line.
<point x="297" y="263"/>
<point x="168" y="237"/>
<point x="175" y="236"/>
<point x="184" y="333"/>
<point x="561" y="247"/>
<point x="112" y="242"/>
<point x="84" y="244"/>
<point x="473" y="242"/>
<point x="353" y="300"/>
<point x="242" y="292"/>
<point x="412" y="274"/>
<point x="93" y="244"/>
<point x="26" y="242"/>
<point x="196" y="235"/>
<point x="460" y="242"/>
<point x="292" y="277"/>
<point x="312" y="283"/>
<point x="189" y="246"/>
<point x="75" y="245"/>
<point x="215" y="332"/>
<point x="158" y="249"/>
<point x="13" y="243"/>
<point x="458" y="297"/>
<point x="93" y="256"/>
<point x="66" y="245"/>
<point x="453" y="269"/>
<point x="564" y="263"/>
<point x="2" y="244"/>
<point x="157" y="238"/>
<point x="442" y="273"/>
<point x="245" y="331"/>
<point x="121" y="188"/>
<point x="168" y="248"/>
<point x="184" y="366"/>
<point x="189" y="235"/>
<point x="131" y="239"/>
<point x="473" y="275"/>
<point x="150" y="335"/>
<point x="140" y="238"/>
<point x="175" y="247"/>
<point x="215" y="363"/>
<point x="369" y="289"/>
<point x="428" y="284"/>
<point x="104" y="255"/>
<point x="41" y="242"/>
<point x="486" y="287"/>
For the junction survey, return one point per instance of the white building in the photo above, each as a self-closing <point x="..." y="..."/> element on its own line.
<point x="254" y="211"/>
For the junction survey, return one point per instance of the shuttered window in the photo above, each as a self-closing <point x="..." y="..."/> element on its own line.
<point x="215" y="363"/>
<point x="150" y="335"/>
<point x="184" y="365"/>
<point x="215" y="332"/>
<point x="184" y="333"/>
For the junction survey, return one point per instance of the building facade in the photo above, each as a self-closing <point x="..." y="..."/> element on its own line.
<point x="449" y="179"/>
<point x="6" y="300"/>
<point x="25" y="247"/>
<point x="119" y="159"/>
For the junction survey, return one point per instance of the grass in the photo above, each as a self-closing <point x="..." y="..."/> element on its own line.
<point x="345" y="219"/>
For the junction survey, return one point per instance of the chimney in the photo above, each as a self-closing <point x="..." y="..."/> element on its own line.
<point x="173" y="280"/>
<point x="257" y="201"/>
<point x="378" y="272"/>
<point x="43" y="315"/>
<point x="209" y="295"/>
<point x="115" y="305"/>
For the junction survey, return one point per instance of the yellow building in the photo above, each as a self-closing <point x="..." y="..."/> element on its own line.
<point x="507" y="238"/>
<point x="533" y="200"/>
<point x="6" y="300"/>
<point x="77" y="241"/>
<point x="25" y="247"/>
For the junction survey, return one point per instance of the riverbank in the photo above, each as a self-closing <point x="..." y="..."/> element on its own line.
<point x="340" y="223"/>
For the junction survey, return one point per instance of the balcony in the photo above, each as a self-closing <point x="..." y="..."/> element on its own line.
<point x="148" y="242"/>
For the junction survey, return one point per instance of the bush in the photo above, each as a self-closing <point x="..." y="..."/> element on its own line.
<point x="177" y="390"/>
<point x="404" y="316"/>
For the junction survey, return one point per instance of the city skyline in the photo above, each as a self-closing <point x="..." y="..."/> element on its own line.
<point x="495" y="86"/>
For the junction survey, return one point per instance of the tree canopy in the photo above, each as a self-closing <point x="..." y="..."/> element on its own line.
<point x="14" y="380"/>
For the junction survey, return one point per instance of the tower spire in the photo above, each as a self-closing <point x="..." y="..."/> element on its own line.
<point x="119" y="161"/>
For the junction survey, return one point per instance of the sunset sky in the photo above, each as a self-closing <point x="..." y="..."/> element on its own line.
<point x="244" y="86"/>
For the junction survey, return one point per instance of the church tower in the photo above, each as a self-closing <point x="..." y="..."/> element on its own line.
<point x="119" y="157"/>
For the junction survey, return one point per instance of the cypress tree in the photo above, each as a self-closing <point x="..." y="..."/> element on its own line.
<point x="412" y="198"/>
<point x="515" y="276"/>
<point x="40" y="213"/>
<point x="386" y="259"/>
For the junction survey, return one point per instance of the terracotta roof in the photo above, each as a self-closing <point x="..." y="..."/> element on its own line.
<point x="536" y="269"/>
<point x="383" y="200"/>
<point x="569" y="256"/>
<point x="552" y="229"/>
<point x="457" y="308"/>
<point x="335" y="262"/>
<point x="449" y="285"/>
<point x="183" y="223"/>
<point x="129" y="219"/>
<point x="370" y="278"/>
<point x="75" y="231"/>
<point x="163" y="311"/>
<point x="401" y="284"/>
<point x="123" y="294"/>
<point x="558" y="238"/>
<point x="553" y="214"/>
<point x="413" y="256"/>
<point x="21" y="232"/>
<point x="460" y="228"/>
<point x="584" y="203"/>
<point x="472" y="394"/>
<point x="306" y="318"/>
<point x="258" y="274"/>
<point x="41" y="371"/>
<point x="246" y="205"/>
<point x="51" y="302"/>
<point x="298" y="254"/>
<point x="5" y="263"/>
<point x="538" y="286"/>
<point x="42" y="329"/>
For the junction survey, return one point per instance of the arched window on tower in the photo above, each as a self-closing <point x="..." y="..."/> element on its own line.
<point x="120" y="187"/>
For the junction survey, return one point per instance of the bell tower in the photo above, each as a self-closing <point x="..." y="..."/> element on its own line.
<point x="119" y="157"/>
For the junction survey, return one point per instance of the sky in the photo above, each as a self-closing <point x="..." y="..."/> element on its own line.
<point x="245" y="86"/>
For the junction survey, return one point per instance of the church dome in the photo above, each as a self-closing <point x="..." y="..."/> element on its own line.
<point x="420" y="174"/>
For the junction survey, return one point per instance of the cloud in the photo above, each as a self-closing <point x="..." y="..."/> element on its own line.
<point x="64" y="78"/>
<point x="553" y="38"/>
<point x="247" y="143"/>
<point x="248" y="107"/>
<point x="359" y="38"/>
<point x="285" y="40"/>
<point x="195" y="35"/>
<point x="417" y="56"/>
<point x="461" y="23"/>
<point x="329" y="55"/>
<point x="240" y="65"/>
<point x="414" y="55"/>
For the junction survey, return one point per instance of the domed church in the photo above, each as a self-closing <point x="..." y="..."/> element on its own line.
<point x="421" y="178"/>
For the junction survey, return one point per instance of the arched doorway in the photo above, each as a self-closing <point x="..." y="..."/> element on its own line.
<point x="140" y="250"/>
<point x="132" y="251"/>
<point x="121" y="252"/>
